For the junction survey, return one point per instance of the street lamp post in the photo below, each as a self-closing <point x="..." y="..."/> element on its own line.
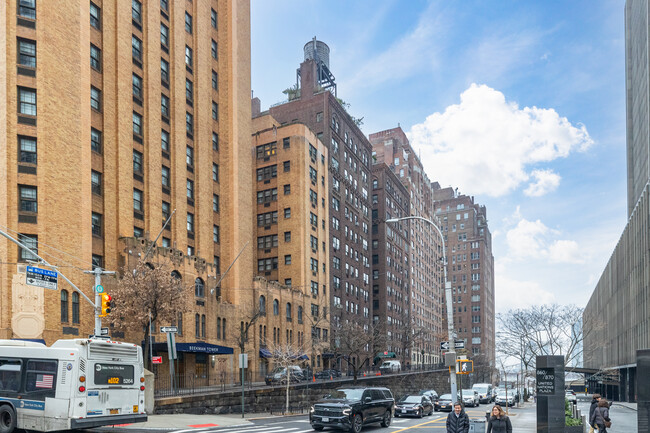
<point x="449" y="301"/>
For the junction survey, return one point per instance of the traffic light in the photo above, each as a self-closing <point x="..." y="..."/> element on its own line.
<point x="106" y="305"/>
<point x="465" y="366"/>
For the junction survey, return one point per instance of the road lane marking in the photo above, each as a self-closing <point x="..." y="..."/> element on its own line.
<point x="421" y="425"/>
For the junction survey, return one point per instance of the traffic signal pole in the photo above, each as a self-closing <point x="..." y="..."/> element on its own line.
<point x="98" y="272"/>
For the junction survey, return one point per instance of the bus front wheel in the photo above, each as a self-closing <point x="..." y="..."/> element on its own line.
<point x="7" y="419"/>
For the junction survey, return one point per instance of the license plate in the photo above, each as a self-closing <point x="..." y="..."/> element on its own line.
<point x="403" y="410"/>
<point x="114" y="411"/>
<point x="325" y="419"/>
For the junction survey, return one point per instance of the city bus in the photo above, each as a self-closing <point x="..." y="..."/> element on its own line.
<point x="72" y="384"/>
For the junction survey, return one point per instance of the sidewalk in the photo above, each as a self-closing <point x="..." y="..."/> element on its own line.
<point x="631" y="406"/>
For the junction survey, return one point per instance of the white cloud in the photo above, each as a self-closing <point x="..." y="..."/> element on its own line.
<point x="514" y="294"/>
<point x="545" y="182"/>
<point x="534" y="240"/>
<point x="485" y="144"/>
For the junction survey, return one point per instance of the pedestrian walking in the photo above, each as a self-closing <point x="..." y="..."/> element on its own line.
<point x="594" y="404"/>
<point x="458" y="421"/>
<point x="499" y="422"/>
<point x="600" y="417"/>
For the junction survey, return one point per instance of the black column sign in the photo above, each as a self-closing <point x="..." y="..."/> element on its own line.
<point x="545" y="381"/>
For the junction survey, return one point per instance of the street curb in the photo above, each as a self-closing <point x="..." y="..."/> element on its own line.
<point x="624" y="406"/>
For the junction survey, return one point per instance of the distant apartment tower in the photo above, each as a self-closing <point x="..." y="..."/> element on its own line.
<point x="312" y="102"/>
<point x="115" y="114"/>
<point x="637" y="74"/>
<point x="426" y="294"/>
<point x="470" y="267"/>
<point x="391" y="297"/>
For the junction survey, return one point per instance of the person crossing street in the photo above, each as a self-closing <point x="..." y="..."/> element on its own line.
<point x="458" y="421"/>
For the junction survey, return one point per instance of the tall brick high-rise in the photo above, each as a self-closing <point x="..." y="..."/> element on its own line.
<point x="470" y="270"/>
<point x="115" y="114"/>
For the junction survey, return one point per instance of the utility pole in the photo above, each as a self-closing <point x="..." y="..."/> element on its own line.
<point x="98" y="272"/>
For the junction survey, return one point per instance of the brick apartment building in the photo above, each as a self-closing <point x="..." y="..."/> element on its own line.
<point x="423" y="273"/>
<point x="470" y="270"/>
<point x="313" y="103"/>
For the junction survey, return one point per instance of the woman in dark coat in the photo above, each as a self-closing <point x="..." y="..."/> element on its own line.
<point x="499" y="421"/>
<point x="600" y="415"/>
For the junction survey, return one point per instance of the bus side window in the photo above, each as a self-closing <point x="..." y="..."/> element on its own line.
<point x="41" y="378"/>
<point x="10" y="375"/>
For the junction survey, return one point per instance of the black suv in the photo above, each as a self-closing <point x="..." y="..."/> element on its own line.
<point x="351" y="408"/>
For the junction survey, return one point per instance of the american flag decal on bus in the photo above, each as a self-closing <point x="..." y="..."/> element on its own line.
<point x="44" y="381"/>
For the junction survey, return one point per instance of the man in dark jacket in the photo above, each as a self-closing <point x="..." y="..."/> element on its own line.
<point x="594" y="404"/>
<point x="458" y="421"/>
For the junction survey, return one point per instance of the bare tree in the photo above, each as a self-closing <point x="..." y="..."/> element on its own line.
<point x="316" y="342"/>
<point x="542" y="330"/>
<point x="145" y="294"/>
<point x="286" y="355"/>
<point x="356" y="344"/>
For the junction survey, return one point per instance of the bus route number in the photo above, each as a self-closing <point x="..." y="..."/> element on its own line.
<point x="114" y="380"/>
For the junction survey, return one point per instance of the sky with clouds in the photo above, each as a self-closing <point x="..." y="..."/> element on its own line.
<point x="519" y="104"/>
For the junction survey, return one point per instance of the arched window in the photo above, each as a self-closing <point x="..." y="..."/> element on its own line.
<point x="375" y="184"/>
<point x="64" y="306"/>
<point x="176" y="275"/>
<point x="199" y="288"/>
<point x="299" y="314"/>
<point x="276" y="307"/>
<point x="263" y="305"/>
<point x="197" y="325"/>
<point x="288" y="312"/>
<point x="75" y="307"/>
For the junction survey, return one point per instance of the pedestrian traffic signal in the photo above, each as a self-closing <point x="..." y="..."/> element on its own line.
<point x="465" y="366"/>
<point x="106" y="305"/>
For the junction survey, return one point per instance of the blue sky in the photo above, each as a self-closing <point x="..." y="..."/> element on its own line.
<point x="518" y="103"/>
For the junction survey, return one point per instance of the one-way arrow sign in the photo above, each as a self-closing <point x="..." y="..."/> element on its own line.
<point x="444" y="345"/>
<point x="458" y="344"/>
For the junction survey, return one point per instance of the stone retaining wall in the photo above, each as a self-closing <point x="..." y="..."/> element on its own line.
<point x="301" y="396"/>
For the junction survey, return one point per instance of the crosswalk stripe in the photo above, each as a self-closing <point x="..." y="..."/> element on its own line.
<point x="239" y="429"/>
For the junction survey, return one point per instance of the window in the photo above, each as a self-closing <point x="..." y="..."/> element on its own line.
<point x="190" y="189"/>
<point x="313" y="265"/>
<point x="31" y="242"/>
<point x="165" y="175"/>
<point x="164" y="5"/>
<point x="215" y="203"/>
<point x="287" y="166"/>
<point x="27" y="9"/>
<point x="95" y="140"/>
<point x="137" y="162"/>
<point x="137" y="232"/>
<point x="199" y="288"/>
<point x="164" y="71"/>
<point x="266" y="173"/>
<point x="313" y="197"/>
<point x="215" y="141"/>
<point x="215" y="172"/>
<point x="215" y="111"/>
<point x="287" y="259"/>
<point x="287" y="213"/>
<point x="97" y="224"/>
<point x="164" y="140"/>
<point x="197" y="325"/>
<point x="188" y="23"/>
<point x="136" y="48"/>
<point x="27" y="101"/>
<point x="288" y="312"/>
<point x="215" y="234"/>
<point x="314" y="242"/>
<point x="190" y="222"/>
<point x="299" y="314"/>
<point x="137" y="200"/>
<point x="287" y="189"/>
<point x="95" y="98"/>
<point x="266" y="219"/>
<point x="97" y="261"/>
<point x="314" y="310"/>
<point x="266" y="150"/>
<point x="27" y="149"/>
<point x="95" y="16"/>
<point x="96" y="182"/>
<point x="276" y="307"/>
<point x="164" y="105"/>
<point x="188" y="56"/>
<point x="28" y="198"/>
<point x="189" y="156"/>
<point x="213" y="49"/>
<point x="215" y="80"/>
<point x="137" y="124"/>
<point x="164" y="35"/>
<point x="267" y="265"/>
<point x="27" y="53"/>
<point x="64" y="306"/>
<point x="267" y="196"/>
<point x="136" y="11"/>
<point x="313" y="219"/>
<point x="287" y="236"/>
<point x="266" y="242"/>
<point x="189" y="123"/>
<point x="95" y="57"/>
<point x="213" y="18"/>
<point x="189" y="90"/>
<point x="166" y="211"/>
<point x="287" y="282"/>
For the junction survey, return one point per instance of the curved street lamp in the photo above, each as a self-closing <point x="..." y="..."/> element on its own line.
<point x="449" y="301"/>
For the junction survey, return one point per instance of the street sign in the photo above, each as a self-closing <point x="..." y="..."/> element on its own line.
<point x="99" y="288"/>
<point x="459" y="344"/>
<point x="243" y="360"/>
<point x="171" y="346"/>
<point x="104" y="331"/>
<point x="444" y="345"/>
<point x="156" y="359"/>
<point x="41" y="278"/>
<point x="168" y="329"/>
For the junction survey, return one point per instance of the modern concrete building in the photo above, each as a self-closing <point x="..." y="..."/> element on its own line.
<point x="617" y="317"/>
<point x="470" y="270"/>
<point x="391" y="306"/>
<point x="312" y="102"/>
<point x="115" y="114"/>
<point x="424" y="271"/>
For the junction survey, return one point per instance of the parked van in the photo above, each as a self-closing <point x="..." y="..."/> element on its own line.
<point x="485" y="394"/>
<point x="390" y="367"/>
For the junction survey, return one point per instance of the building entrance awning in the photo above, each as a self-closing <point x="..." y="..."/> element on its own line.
<point x="386" y="355"/>
<point x="197" y="347"/>
<point x="266" y="353"/>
